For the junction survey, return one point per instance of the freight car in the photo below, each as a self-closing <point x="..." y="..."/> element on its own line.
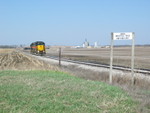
<point x="38" y="48"/>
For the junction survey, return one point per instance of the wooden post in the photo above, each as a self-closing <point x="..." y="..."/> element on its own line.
<point x="122" y="36"/>
<point x="132" y="60"/>
<point x="111" y="60"/>
<point x="59" y="56"/>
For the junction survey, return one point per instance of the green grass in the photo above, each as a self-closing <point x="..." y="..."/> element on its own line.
<point x="58" y="92"/>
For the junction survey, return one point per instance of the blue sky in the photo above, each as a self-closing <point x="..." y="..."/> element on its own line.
<point x="70" y="22"/>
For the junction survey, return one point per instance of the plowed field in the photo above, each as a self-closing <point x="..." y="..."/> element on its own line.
<point x="12" y="60"/>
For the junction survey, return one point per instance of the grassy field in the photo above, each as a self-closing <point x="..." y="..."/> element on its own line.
<point x="58" y="92"/>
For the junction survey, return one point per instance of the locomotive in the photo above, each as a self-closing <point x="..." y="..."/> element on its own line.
<point x="38" y="48"/>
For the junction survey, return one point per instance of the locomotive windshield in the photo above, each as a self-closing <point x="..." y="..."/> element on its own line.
<point x="40" y="43"/>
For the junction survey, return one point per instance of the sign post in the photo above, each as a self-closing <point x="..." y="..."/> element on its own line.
<point x="132" y="61"/>
<point x="111" y="59"/>
<point x="122" y="36"/>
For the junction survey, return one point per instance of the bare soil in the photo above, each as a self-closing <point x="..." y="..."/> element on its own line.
<point x="122" y="55"/>
<point x="12" y="60"/>
<point x="3" y="51"/>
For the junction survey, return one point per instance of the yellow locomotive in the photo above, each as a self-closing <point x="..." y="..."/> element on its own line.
<point x="38" y="47"/>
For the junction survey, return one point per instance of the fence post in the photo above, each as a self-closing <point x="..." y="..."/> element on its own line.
<point x="59" y="56"/>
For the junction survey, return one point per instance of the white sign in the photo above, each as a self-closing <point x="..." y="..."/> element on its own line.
<point x="122" y="36"/>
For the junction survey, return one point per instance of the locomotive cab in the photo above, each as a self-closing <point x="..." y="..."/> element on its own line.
<point x="38" y="48"/>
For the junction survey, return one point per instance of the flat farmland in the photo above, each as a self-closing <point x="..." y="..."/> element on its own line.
<point x="122" y="55"/>
<point x="4" y="51"/>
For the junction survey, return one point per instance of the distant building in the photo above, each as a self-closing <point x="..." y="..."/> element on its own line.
<point x="95" y="45"/>
<point x="86" y="44"/>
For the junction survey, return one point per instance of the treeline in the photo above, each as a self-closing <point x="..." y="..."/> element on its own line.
<point x="8" y="46"/>
<point x="137" y="45"/>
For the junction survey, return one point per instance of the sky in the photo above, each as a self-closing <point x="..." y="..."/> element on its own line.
<point x="70" y="22"/>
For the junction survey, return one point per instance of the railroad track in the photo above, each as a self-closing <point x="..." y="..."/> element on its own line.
<point x="143" y="71"/>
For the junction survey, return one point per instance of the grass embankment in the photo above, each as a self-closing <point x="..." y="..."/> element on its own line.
<point x="57" y="92"/>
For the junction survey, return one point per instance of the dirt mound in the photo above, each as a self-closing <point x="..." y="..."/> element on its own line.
<point x="18" y="61"/>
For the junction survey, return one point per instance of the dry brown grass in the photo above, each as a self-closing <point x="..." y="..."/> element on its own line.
<point x="140" y="91"/>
